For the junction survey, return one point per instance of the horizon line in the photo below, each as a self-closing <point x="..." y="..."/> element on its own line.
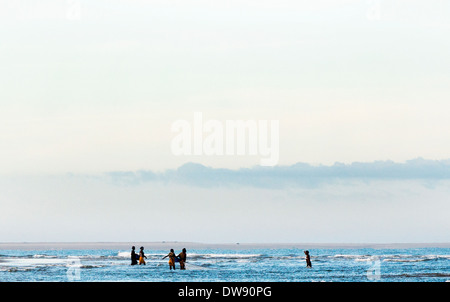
<point x="198" y="245"/>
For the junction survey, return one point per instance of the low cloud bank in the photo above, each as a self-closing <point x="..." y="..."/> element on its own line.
<point x="300" y="174"/>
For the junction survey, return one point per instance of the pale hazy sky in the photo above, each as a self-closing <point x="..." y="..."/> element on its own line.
<point x="94" y="86"/>
<point x="89" y="87"/>
<point x="91" y="209"/>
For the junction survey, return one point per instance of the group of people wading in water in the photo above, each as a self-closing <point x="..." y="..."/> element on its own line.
<point x="181" y="258"/>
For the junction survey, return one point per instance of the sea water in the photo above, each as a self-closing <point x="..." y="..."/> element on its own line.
<point x="216" y="265"/>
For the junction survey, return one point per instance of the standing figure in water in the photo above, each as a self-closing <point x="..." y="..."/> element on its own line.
<point x="172" y="257"/>
<point x="182" y="256"/>
<point x="142" y="256"/>
<point x="133" y="256"/>
<point x="308" y="259"/>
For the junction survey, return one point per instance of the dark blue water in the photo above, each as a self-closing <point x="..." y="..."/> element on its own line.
<point x="253" y="265"/>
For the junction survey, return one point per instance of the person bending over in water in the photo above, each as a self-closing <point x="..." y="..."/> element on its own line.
<point x="308" y="259"/>
<point x="142" y="256"/>
<point x="171" y="256"/>
<point x="133" y="256"/>
<point x="182" y="256"/>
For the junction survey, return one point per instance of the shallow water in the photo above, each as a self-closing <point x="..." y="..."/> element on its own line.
<point x="211" y="265"/>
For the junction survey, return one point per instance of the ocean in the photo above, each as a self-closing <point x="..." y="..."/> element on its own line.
<point x="430" y="264"/>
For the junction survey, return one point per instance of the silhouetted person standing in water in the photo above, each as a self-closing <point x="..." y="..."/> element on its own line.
<point x="308" y="259"/>
<point x="171" y="256"/>
<point x="182" y="256"/>
<point x="133" y="256"/>
<point x="142" y="256"/>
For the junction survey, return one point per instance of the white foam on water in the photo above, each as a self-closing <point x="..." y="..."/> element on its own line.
<point x="414" y="258"/>
<point x="124" y="254"/>
<point x="44" y="256"/>
<point x="232" y="256"/>
<point x="191" y="267"/>
<point x="31" y="262"/>
<point x="367" y="259"/>
<point x="346" y="256"/>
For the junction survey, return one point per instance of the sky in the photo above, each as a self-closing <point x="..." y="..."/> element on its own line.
<point x="88" y="88"/>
